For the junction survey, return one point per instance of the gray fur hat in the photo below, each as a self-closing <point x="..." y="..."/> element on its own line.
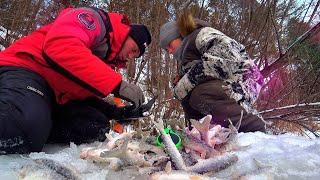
<point x="168" y="32"/>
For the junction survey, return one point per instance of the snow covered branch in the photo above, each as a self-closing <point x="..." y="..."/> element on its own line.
<point x="290" y="106"/>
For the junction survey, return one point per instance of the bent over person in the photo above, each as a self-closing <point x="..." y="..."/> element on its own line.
<point x="52" y="80"/>
<point x="215" y="75"/>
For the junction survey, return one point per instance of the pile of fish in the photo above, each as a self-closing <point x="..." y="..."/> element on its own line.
<point x="205" y="151"/>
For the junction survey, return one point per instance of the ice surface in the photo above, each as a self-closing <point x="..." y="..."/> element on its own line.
<point x="262" y="156"/>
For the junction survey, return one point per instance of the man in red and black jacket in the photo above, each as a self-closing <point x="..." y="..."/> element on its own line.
<point x="47" y="77"/>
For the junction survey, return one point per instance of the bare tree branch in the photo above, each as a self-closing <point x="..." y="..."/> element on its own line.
<point x="290" y="106"/>
<point x="314" y="12"/>
<point x="280" y="61"/>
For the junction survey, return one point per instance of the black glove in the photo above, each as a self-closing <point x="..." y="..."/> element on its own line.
<point x="145" y="108"/>
<point x="131" y="93"/>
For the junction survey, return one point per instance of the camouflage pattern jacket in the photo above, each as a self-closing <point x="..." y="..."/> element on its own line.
<point x="207" y="54"/>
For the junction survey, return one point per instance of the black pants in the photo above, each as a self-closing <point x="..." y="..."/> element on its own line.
<point x="79" y="122"/>
<point x="29" y="115"/>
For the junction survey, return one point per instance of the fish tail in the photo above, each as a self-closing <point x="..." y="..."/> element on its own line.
<point x="204" y="126"/>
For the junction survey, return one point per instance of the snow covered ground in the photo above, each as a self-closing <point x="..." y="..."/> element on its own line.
<point x="262" y="157"/>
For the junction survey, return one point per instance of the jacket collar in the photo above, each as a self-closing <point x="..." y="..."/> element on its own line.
<point x="118" y="35"/>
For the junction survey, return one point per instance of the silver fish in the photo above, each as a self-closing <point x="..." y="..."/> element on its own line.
<point x="150" y="170"/>
<point x="126" y="152"/>
<point x="112" y="141"/>
<point x="203" y="127"/>
<point x="170" y="147"/>
<point x="127" y="156"/>
<point x="47" y="169"/>
<point x="174" y="175"/>
<point x="213" y="164"/>
<point x="229" y="137"/>
<point x="197" y="145"/>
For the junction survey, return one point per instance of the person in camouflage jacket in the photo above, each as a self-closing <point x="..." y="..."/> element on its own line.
<point x="216" y="76"/>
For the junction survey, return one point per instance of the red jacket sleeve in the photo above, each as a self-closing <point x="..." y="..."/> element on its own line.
<point x="67" y="46"/>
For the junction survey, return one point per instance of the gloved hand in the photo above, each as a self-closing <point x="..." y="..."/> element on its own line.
<point x="131" y="93"/>
<point x="183" y="88"/>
